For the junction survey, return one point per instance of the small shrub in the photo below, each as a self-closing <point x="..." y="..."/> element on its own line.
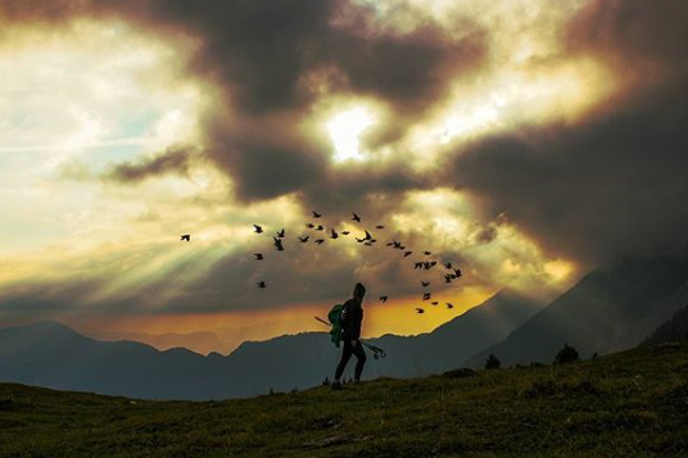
<point x="492" y="362"/>
<point x="566" y="354"/>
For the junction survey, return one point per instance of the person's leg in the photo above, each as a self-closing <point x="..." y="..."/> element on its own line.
<point x="346" y="356"/>
<point x="361" y="360"/>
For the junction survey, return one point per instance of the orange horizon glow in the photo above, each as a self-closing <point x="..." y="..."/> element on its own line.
<point x="397" y="316"/>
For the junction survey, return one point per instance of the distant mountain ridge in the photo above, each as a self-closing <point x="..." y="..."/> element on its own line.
<point x="199" y="342"/>
<point x="52" y="355"/>
<point x="674" y="329"/>
<point x="608" y="310"/>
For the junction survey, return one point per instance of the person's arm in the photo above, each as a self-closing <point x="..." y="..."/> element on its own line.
<point x="356" y="323"/>
<point x="344" y="316"/>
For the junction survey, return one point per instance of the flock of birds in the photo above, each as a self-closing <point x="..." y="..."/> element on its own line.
<point x="319" y="234"/>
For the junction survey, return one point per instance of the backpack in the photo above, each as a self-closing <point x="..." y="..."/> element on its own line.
<point x="334" y="317"/>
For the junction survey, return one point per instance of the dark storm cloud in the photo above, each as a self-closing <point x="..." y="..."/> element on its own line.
<point x="373" y="191"/>
<point x="257" y="50"/>
<point x="634" y="33"/>
<point x="609" y="187"/>
<point x="174" y="160"/>
<point x="260" y="50"/>
<point x="406" y="70"/>
<point x="266" y="166"/>
<point x="614" y="186"/>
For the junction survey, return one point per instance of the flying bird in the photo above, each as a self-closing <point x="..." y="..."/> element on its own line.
<point x="261" y="284"/>
<point x="450" y="305"/>
<point x="379" y="226"/>
<point x="448" y="278"/>
<point x="427" y="253"/>
<point x="346" y="232"/>
<point x="304" y="239"/>
<point x="420" y="311"/>
<point x="278" y="244"/>
<point x="186" y="237"/>
<point x="320" y="228"/>
<point x="281" y="233"/>
<point x="434" y="303"/>
<point x="334" y="234"/>
<point x="316" y="214"/>
<point x="383" y="299"/>
<point x="408" y="253"/>
<point x="427" y="296"/>
<point x="427" y="265"/>
<point x="310" y="225"/>
<point x="367" y="238"/>
<point x="425" y="283"/>
<point x="458" y="273"/>
<point x="448" y="265"/>
<point x="418" y="265"/>
<point x="257" y="229"/>
<point x="259" y="256"/>
<point x="320" y="241"/>
<point x="356" y="218"/>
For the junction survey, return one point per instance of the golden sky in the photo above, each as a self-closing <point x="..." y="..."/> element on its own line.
<point x="123" y="126"/>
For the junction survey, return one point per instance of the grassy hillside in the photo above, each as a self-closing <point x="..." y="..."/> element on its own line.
<point x="629" y="404"/>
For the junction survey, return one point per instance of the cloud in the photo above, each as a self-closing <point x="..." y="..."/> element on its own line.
<point x="593" y="192"/>
<point x="634" y="33"/>
<point x="175" y="159"/>
<point x="610" y="186"/>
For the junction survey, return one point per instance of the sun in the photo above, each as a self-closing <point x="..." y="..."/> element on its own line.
<point x="345" y="129"/>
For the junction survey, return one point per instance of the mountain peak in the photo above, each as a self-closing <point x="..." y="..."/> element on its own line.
<point x="45" y="326"/>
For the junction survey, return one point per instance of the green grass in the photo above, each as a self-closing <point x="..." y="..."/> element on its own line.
<point x="629" y="404"/>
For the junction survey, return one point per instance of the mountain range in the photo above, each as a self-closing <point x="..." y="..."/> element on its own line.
<point x="52" y="355"/>
<point x="608" y="310"/>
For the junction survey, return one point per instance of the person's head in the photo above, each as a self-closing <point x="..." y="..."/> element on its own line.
<point x="359" y="291"/>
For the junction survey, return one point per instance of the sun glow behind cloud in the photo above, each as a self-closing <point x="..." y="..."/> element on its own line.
<point x="345" y="129"/>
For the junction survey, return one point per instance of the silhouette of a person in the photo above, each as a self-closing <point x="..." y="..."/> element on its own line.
<point x="351" y="320"/>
